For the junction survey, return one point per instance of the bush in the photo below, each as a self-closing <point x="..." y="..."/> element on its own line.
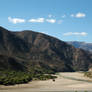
<point x="11" y="78"/>
<point x="14" y="77"/>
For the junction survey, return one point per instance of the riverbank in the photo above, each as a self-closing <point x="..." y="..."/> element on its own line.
<point x="69" y="81"/>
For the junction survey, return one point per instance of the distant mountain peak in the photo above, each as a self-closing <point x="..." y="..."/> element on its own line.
<point x="82" y="45"/>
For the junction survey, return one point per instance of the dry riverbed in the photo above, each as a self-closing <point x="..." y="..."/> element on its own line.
<point x="70" y="81"/>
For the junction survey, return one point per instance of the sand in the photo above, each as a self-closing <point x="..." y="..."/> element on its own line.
<point x="65" y="82"/>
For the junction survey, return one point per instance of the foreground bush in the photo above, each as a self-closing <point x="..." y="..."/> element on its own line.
<point x="13" y="77"/>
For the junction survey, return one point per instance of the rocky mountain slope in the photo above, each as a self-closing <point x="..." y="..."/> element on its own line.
<point x="37" y="51"/>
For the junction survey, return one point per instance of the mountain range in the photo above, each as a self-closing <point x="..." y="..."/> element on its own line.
<point x="27" y="50"/>
<point x="82" y="45"/>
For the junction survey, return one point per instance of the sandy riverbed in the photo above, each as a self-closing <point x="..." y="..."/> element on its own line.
<point x="64" y="82"/>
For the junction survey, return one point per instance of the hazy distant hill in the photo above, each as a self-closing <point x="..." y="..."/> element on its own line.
<point x="33" y="50"/>
<point x="82" y="45"/>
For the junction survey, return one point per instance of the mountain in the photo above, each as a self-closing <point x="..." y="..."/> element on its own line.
<point x="34" y="51"/>
<point x="10" y="44"/>
<point x="82" y="45"/>
<point x="9" y="63"/>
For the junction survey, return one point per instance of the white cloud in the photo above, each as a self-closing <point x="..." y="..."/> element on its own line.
<point x="16" y="20"/>
<point x="75" y="34"/>
<point x="39" y="20"/>
<point x="78" y="15"/>
<point x="63" y="16"/>
<point x="51" y="20"/>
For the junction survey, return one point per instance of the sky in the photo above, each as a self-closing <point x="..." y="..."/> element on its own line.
<point x="67" y="20"/>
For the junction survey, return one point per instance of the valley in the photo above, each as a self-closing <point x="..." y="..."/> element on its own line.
<point x="66" y="82"/>
<point x="46" y="46"/>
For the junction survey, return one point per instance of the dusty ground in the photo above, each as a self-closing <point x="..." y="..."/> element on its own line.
<point x="65" y="82"/>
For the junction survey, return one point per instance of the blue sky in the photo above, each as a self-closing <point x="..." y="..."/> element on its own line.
<point x="68" y="20"/>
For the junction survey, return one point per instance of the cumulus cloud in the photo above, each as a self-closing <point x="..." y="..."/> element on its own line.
<point x="51" y="20"/>
<point x="16" y="20"/>
<point x="39" y="20"/>
<point x="75" y="34"/>
<point x="34" y="20"/>
<point x="78" y="15"/>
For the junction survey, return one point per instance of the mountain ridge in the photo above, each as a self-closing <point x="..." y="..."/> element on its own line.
<point x="37" y="50"/>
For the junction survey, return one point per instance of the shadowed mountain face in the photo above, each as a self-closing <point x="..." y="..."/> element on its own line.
<point x="10" y="44"/>
<point x="82" y="45"/>
<point x="40" y="51"/>
<point x="9" y="63"/>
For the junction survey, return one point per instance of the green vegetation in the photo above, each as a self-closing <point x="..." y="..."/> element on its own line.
<point x="88" y="74"/>
<point x="13" y="77"/>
